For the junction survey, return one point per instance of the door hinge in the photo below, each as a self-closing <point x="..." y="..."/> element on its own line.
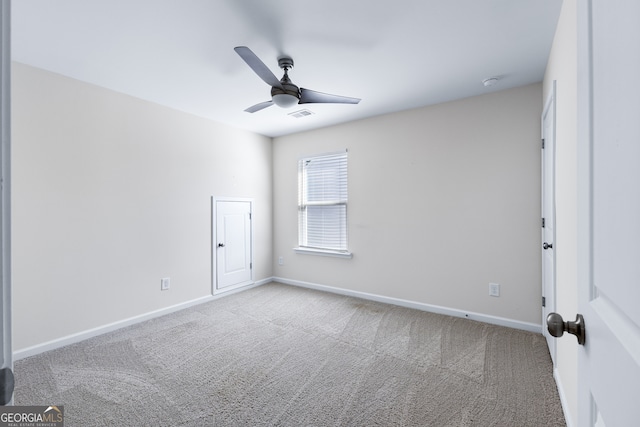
<point x="543" y="143"/>
<point x="249" y="215"/>
<point x="544" y="302"/>
<point x="542" y="222"/>
<point x="250" y="265"/>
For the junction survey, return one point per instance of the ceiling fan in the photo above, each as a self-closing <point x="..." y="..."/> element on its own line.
<point x="283" y="92"/>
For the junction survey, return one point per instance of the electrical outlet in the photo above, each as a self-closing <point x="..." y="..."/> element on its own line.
<point x="280" y="261"/>
<point x="494" y="289"/>
<point x="165" y="284"/>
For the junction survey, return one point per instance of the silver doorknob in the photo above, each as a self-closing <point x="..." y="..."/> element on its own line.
<point x="221" y="245"/>
<point x="557" y="326"/>
<point x="546" y="246"/>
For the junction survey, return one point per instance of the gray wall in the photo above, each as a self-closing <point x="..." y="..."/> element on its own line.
<point x="110" y="194"/>
<point x="443" y="200"/>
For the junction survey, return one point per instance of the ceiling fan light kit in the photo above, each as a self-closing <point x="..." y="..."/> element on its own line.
<point x="285" y="100"/>
<point x="283" y="92"/>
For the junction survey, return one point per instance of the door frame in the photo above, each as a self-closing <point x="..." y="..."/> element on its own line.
<point x="6" y="352"/>
<point x="214" y="240"/>
<point x="550" y="296"/>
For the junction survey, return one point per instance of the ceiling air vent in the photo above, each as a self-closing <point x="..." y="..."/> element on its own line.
<point x="301" y="113"/>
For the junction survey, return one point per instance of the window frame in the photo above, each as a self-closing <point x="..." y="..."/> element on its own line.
<point x="303" y="205"/>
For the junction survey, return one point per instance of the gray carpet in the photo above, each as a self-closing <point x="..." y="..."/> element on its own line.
<point x="278" y="355"/>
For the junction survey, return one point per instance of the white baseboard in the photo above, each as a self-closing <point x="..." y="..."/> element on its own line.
<point x="90" y="333"/>
<point x="494" y="320"/>
<point x="563" y="398"/>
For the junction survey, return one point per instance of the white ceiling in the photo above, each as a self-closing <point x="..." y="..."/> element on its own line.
<point x="394" y="54"/>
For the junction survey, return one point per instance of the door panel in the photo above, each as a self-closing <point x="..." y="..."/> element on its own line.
<point x="616" y="152"/>
<point x="232" y="244"/>
<point x="235" y="233"/>
<point x="609" y="203"/>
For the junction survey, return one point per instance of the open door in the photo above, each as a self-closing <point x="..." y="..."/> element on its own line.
<point x="6" y="355"/>
<point x="609" y="212"/>
<point x="549" y="214"/>
<point x="232" y="244"/>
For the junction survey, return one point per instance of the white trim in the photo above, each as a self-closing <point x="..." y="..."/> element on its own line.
<point x="563" y="398"/>
<point x="330" y="153"/>
<point x="486" y="318"/>
<point x="322" y="252"/>
<point x="6" y="360"/>
<point x="100" y="330"/>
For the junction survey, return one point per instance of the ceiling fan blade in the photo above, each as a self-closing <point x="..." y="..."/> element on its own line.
<point x="308" y="96"/>
<point x="258" y="66"/>
<point x="259" y="106"/>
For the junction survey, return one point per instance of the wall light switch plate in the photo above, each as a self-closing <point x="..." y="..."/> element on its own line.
<point x="494" y="289"/>
<point x="165" y="284"/>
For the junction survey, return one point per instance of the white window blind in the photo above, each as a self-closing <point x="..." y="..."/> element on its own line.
<point x="322" y="202"/>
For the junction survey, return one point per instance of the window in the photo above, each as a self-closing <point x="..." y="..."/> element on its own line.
<point x="322" y="204"/>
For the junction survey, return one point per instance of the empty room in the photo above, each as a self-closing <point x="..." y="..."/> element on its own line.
<point x="281" y="213"/>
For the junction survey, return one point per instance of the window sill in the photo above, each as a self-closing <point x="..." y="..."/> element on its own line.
<point x="323" y="252"/>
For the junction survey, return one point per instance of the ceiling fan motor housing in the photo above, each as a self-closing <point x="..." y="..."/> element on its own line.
<point x="288" y="88"/>
<point x="288" y="94"/>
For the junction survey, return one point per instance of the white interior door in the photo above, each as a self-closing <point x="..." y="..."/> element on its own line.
<point x="609" y="211"/>
<point x="549" y="215"/>
<point x="232" y="244"/>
